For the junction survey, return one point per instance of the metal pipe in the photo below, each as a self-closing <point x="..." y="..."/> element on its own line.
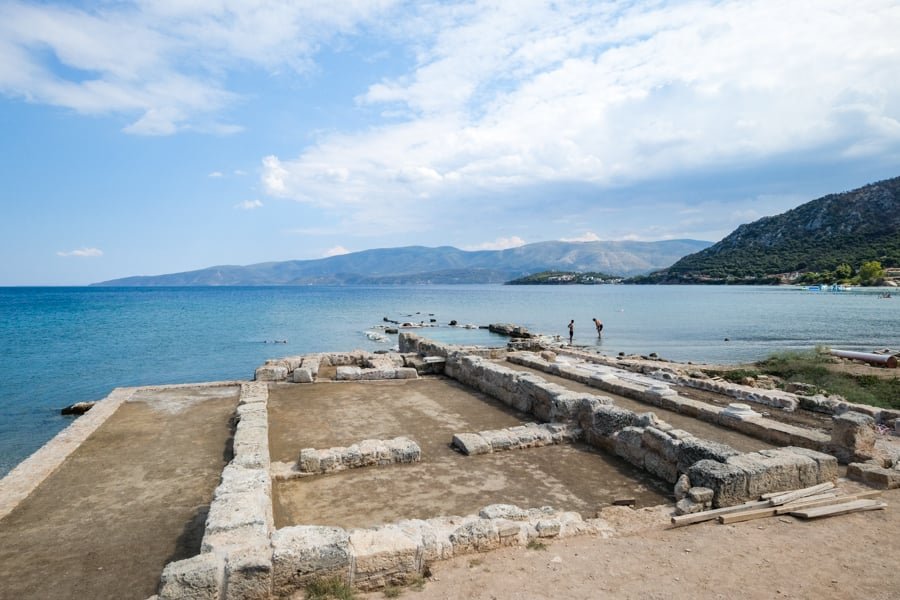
<point x="881" y="360"/>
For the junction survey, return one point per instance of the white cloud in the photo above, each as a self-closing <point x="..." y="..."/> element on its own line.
<point x="587" y="236"/>
<point x="336" y="251"/>
<point x="507" y="96"/>
<point x="501" y="243"/>
<point x="165" y="63"/>
<point x="215" y="174"/>
<point x="82" y="253"/>
<point x="249" y="204"/>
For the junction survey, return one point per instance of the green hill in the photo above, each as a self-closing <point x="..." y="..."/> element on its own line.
<point x="847" y="228"/>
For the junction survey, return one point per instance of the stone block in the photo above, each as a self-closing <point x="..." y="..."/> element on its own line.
<point x="201" y="577"/>
<point x="303" y="375"/>
<point x="348" y="373"/>
<point x="471" y="444"/>
<point x="700" y="494"/>
<point x="603" y="422"/>
<point x="236" y="479"/>
<point x="309" y="461"/>
<point x="728" y="482"/>
<point x="658" y="466"/>
<point x="404" y="450"/>
<point x="383" y="556"/>
<point x="509" y="512"/>
<point x="826" y="464"/>
<point x="475" y="535"/>
<point x="775" y="471"/>
<point x="682" y="485"/>
<point x="304" y="553"/>
<point x="248" y="573"/>
<point x="242" y="509"/>
<point x="653" y="439"/>
<point x="627" y="444"/>
<point x="686" y="506"/>
<point x="547" y="528"/>
<point x="853" y="436"/>
<point x="695" y="449"/>
<point x="434" y="536"/>
<point x="874" y="475"/>
<point x="406" y="373"/>
<point x="271" y="373"/>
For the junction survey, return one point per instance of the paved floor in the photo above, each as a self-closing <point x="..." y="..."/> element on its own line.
<point x="430" y="411"/>
<point x="131" y="498"/>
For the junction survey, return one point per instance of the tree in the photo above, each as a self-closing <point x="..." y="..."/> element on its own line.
<point x="870" y="272"/>
<point x="843" y="272"/>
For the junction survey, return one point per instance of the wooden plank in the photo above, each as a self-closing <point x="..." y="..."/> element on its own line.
<point x="771" y="511"/>
<point x="839" y="509"/>
<point x="797" y="494"/>
<point x="709" y="515"/>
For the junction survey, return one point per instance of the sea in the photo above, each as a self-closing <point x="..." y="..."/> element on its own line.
<point x="64" y="345"/>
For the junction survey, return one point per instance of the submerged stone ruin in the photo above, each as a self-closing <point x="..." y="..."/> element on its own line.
<point x="245" y="556"/>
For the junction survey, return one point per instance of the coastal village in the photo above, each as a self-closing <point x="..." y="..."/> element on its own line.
<point x="460" y="471"/>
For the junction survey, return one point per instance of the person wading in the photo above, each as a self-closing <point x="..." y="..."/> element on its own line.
<point x="571" y="330"/>
<point x="599" y="325"/>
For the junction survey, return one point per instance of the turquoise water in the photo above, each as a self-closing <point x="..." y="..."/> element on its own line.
<point x="63" y="345"/>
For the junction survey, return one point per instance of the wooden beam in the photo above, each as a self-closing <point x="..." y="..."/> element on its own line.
<point x="709" y="515"/>
<point x="839" y="509"/>
<point x="787" y="497"/>
<point x="771" y="511"/>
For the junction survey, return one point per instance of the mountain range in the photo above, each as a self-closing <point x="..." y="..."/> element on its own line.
<point x="419" y="264"/>
<point x="851" y="227"/>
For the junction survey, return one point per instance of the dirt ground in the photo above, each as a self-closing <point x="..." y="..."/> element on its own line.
<point x="839" y="558"/>
<point x="445" y="482"/>
<point x="131" y="498"/>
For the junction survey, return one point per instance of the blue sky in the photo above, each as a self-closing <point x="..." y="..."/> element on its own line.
<point x="141" y="138"/>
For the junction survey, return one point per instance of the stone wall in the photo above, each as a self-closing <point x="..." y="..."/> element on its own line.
<point x="530" y="435"/>
<point x="365" y="454"/>
<point x="350" y="366"/>
<point x="393" y="554"/>
<point x="236" y="554"/>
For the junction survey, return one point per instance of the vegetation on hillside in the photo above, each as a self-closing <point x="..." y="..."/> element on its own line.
<point x="565" y="278"/>
<point x="822" y="237"/>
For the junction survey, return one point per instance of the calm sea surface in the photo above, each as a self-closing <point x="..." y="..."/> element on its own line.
<point x="64" y="345"/>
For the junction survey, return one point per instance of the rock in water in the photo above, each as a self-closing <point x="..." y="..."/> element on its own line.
<point x="79" y="408"/>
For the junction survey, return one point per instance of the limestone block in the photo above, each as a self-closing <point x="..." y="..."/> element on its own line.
<point x="404" y="450"/>
<point x="509" y="512"/>
<point x="498" y="439"/>
<point x="408" y="342"/>
<point x="237" y="479"/>
<point x="682" y="486"/>
<point x="700" y="494"/>
<point x="348" y="373"/>
<point x="201" y="577"/>
<point x="695" y="449"/>
<point x="764" y="474"/>
<point x="405" y="373"/>
<point x="227" y="540"/>
<point x="627" y="444"/>
<point x="547" y="528"/>
<point x="248" y="573"/>
<point x="853" y="436"/>
<point x="253" y="392"/>
<point x="657" y="465"/>
<point x="471" y="444"/>
<point x="686" y="506"/>
<point x="653" y="439"/>
<point x="303" y="375"/>
<point x="383" y="556"/>
<point x="309" y="461"/>
<point x="241" y="509"/>
<point x="271" y="373"/>
<point x="304" y="553"/>
<point x="564" y="406"/>
<point x="571" y="524"/>
<point x="728" y="482"/>
<point x="376" y="374"/>
<point x="251" y="454"/>
<point x="548" y="355"/>
<point x="370" y="451"/>
<point x="604" y="421"/>
<point x="475" y="535"/>
<point x="826" y="464"/>
<point x="511" y="533"/>
<point x="874" y="475"/>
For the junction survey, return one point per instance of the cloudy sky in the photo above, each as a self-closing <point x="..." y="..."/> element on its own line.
<point x="152" y="137"/>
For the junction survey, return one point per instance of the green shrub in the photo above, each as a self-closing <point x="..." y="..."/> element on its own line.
<point x="331" y="588"/>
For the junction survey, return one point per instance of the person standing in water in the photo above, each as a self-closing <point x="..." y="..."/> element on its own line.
<point x="571" y="330"/>
<point x="599" y="325"/>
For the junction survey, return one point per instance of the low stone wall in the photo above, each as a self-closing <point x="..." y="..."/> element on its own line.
<point x="365" y="454"/>
<point x="530" y="435"/>
<point x="350" y="366"/>
<point x="663" y="396"/>
<point x="350" y="373"/>
<point x="393" y="554"/>
<point x="236" y="554"/>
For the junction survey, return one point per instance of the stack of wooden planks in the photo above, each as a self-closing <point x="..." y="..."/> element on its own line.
<point x="821" y="500"/>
